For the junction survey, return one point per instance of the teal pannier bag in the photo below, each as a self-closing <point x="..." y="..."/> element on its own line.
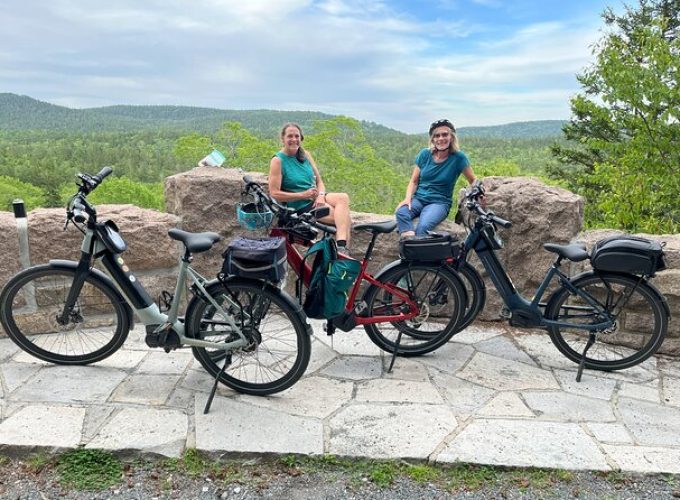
<point x="331" y="280"/>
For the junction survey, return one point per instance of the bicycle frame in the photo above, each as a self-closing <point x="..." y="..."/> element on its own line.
<point x="137" y="297"/>
<point x="303" y="268"/>
<point x="530" y="311"/>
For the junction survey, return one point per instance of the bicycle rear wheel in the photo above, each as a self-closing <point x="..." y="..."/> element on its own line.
<point x="279" y="345"/>
<point x="639" y="328"/>
<point x="31" y="306"/>
<point x="440" y="296"/>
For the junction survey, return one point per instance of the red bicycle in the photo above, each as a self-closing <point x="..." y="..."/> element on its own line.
<point x="408" y="308"/>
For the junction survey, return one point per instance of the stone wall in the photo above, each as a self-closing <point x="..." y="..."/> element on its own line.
<point x="205" y="198"/>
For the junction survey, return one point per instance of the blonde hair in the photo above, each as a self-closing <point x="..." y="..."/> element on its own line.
<point x="300" y="155"/>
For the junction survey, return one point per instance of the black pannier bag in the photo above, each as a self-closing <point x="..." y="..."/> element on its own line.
<point x="434" y="247"/>
<point x="628" y="254"/>
<point x="260" y="258"/>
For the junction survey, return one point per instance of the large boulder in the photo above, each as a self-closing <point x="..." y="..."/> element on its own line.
<point x="205" y="199"/>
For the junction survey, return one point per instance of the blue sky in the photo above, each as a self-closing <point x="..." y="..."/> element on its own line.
<point x="398" y="63"/>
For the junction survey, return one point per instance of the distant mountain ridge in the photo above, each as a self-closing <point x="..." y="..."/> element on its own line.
<point x="18" y="112"/>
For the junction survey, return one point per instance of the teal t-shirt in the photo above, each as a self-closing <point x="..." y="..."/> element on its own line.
<point x="296" y="177"/>
<point x="438" y="179"/>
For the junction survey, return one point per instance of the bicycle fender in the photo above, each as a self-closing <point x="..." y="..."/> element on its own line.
<point x="387" y="267"/>
<point x="70" y="264"/>
<point x="290" y="301"/>
<point x="659" y="296"/>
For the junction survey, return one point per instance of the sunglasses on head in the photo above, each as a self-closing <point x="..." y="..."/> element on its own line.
<point x="442" y="123"/>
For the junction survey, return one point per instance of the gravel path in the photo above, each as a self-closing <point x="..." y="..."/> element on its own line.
<point x="41" y="478"/>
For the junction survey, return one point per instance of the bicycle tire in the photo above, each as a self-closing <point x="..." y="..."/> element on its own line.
<point x="31" y="301"/>
<point x="640" y="327"/>
<point x="280" y="346"/>
<point x="475" y="292"/>
<point x="438" y="320"/>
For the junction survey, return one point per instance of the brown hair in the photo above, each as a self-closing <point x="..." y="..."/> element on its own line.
<point x="300" y="155"/>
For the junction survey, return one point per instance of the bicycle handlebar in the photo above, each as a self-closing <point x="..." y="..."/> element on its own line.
<point x="284" y="213"/>
<point x="472" y="197"/>
<point x="78" y="208"/>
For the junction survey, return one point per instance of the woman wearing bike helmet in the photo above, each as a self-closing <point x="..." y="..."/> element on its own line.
<point x="295" y="181"/>
<point x="429" y="192"/>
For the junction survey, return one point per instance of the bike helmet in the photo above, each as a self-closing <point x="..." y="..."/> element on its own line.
<point x="441" y="123"/>
<point x="254" y="215"/>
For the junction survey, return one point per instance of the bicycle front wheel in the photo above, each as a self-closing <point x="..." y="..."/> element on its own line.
<point x="640" y="321"/>
<point x="32" y="307"/>
<point x="279" y="346"/>
<point x="475" y="294"/>
<point x="440" y="297"/>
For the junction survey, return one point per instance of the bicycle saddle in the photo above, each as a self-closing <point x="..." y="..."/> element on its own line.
<point x="377" y="227"/>
<point x="195" y="242"/>
<point x="575" y="252"/>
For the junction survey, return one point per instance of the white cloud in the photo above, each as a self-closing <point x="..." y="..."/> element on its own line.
<point x="370" y="60"/>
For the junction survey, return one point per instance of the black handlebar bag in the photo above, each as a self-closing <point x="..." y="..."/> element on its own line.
<point x="628" y="254"/>
<point x="433" y="247"/>
<point x="259" y="258"/>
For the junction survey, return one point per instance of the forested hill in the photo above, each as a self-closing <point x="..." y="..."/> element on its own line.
<point x="25" y="113"/>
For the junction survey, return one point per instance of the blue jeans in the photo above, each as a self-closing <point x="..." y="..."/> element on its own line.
<point x="431" y="214"/>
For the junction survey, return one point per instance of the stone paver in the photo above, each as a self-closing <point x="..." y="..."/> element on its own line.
<point x="651" y="424"/>
<point x="671" y="391"/>
<point x="493" y="372"/>
<point x="149" y="430"/>
<point x="240" y="427"/>
<point x="354" y="368"/>
<point x="491" y="395"/>
<point x="57" y="426"/>
<point x="406" y="430"/>
<point x="145" y="389"/>
<point x="70" y="384"/>
<point x="400" y="391"/>
<point x="568" y="407"/>
<point x="525" y="444"/>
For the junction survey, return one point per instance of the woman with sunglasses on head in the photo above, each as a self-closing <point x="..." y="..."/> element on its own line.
<point x="429" y="194"/>
<point x="295" y="181"/>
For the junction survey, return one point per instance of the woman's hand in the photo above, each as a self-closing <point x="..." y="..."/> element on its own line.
<point x="405" y="201"/>
<point x="320" y="200"/>
<point x="310" y="194"/>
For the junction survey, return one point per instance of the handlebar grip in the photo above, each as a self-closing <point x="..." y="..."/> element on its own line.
<point x="324" y="227"/>
<point x="501" y="222"/>
<point x="248" y="180"/>
<point x="103" y="173"/>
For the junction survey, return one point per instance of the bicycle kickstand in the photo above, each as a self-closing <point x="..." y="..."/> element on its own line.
<point x="211" y="396"/>
<point x="582" y="363"/>
<point x="394" y="354"/>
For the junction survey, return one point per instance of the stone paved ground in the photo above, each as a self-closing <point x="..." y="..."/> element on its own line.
<point x="490" y="396"/>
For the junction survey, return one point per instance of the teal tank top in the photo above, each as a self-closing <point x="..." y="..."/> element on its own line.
<point x="296" y="177"/>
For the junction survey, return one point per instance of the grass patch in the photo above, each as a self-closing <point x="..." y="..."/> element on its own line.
<point x="541" y="479"/>
<point x="422" y="473"/>
<point x="471" y="477"/>
<point x="38" y="462"/>
<point x="89" y="470"/>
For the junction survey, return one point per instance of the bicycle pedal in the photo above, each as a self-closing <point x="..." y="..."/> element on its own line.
<point x="505" y="313"/>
